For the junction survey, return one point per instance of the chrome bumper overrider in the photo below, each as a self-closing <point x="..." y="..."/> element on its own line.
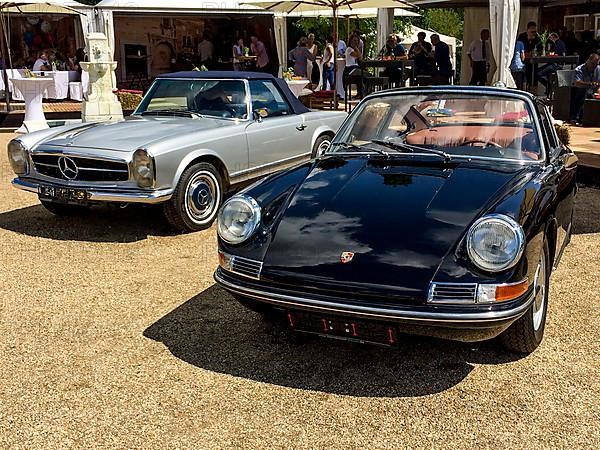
<point x="458" y="318"/>
<point x="104" y="195"/>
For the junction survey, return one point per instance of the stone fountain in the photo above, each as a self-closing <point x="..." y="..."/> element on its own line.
<point x="100" y="103"/>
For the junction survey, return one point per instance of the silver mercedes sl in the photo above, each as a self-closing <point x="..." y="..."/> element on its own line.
<point x="194" y="136"/>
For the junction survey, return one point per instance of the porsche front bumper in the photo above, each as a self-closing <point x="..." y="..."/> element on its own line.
<point x="465" y="323"/>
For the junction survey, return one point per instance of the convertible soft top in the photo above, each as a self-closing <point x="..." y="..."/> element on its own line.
<point x="297" y="106"/>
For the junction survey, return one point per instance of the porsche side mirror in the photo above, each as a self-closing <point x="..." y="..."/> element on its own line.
<point x="569" y="161"/>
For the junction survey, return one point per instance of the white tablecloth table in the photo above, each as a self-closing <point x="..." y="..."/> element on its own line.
<point x="296" y="86"/>
<point x="33" y="90"/>
<point x="58" y="90"/>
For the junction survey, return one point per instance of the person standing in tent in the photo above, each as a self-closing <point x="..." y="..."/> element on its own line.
<point x="260" y="51"/>
<point x="517" y="65"/>
<point x="300" y="57"/>
<point x="479" y="56"/>
<point x="206" y="51"/>
<point x="237" y="52"/>
<point x="328" y="62"/>
<point x="443" y="64"/>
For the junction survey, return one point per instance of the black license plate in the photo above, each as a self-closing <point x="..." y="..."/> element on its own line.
<point x="64" y="195"/>
<point x="343" y="328"/>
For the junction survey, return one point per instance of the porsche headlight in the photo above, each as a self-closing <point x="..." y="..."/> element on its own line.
<point x="238" y="219"/>
<point x="143" y="168"/>
<point x="17" y="155"/>
<point x="495" y="242"/>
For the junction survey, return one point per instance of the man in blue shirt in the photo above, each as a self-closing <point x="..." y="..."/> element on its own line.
<point x="517" y="66"/>
<point x="587" y="80"/>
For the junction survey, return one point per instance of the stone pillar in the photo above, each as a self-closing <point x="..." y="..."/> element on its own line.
<point x="100" y="103"/>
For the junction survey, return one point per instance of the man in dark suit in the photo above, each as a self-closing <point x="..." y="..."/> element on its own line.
<point x="443" y="64"/>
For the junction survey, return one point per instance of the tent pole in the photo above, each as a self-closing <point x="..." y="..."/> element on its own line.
<point x="7" y="57"/>
<point x="335" y="68"/>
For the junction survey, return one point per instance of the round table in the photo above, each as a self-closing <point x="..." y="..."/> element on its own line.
<point x="33" y="90"/>
<point x="296" y="86"/>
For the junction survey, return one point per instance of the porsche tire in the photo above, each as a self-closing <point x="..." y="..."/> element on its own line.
<point x="526" y="334"/>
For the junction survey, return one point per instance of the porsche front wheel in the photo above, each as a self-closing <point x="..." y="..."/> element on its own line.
<point x="196" y="198"/>
<point x="526" y="333"/>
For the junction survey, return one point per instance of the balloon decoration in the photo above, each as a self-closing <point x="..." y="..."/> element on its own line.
<point x="38" y="34"/>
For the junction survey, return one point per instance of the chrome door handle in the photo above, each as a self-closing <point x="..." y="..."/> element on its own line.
<point x="301" y="127"/>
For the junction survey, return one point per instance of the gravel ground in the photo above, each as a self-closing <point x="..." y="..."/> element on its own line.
<point x="114" y="335"/>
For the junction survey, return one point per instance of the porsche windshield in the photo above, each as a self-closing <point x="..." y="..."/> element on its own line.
<point x="218" y="98"/>
<point x="449" y="124"/>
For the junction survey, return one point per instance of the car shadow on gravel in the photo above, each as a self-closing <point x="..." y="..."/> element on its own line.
<point x="99" y="224"/>
<point x="212" y="331"/>
<point x="585" y="216"/>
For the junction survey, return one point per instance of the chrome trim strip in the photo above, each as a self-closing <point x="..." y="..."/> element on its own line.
<point x="77" y="154"/>
<point x="265" y="167"/>
<point x="155" y="196"/>
<point x="459" y="318"/>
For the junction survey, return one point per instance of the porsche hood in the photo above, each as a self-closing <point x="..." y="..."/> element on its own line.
<point x="379" y="224"/>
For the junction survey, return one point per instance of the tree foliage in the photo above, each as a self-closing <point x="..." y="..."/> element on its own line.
<point x="448" y="21"/>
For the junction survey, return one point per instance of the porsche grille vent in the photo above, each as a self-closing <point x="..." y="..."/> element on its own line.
<point x="453" y="293"/>
<point x="246" y="267"/>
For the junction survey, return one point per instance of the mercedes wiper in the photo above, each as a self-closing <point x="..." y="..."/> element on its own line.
<point x="411" y="148"/>
<point x="360" y="147"/>
<point x="171" y="112"/>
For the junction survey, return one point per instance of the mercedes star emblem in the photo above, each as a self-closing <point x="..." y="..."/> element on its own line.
<point x="67" y="167"/>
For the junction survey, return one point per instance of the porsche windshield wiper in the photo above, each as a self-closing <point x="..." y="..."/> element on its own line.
<point x="172" y="112"/>
<point x="362" y="148"/>
<point x="411" y="148"/>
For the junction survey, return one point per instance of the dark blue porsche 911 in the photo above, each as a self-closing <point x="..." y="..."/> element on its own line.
<point x="436" y="211"/>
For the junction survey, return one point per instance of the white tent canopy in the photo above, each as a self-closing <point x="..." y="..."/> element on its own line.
<point x="504" y="23"/>
<point x="38" y="6"/>
<point x="358" y="13"/>
<point x="174" y="5"/>
<point x="321" y="6"/>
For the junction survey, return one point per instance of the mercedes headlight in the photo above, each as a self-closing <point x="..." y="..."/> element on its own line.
<point x="143" y="168"/>
<point x="17" y="155"/>
<point x="238" y="219"/>
<point x="495" y="242"/>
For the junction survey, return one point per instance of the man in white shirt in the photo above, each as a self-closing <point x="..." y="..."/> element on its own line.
<point x="41" y="63"/>
<point x="205" y="51"/>
<point x="479" y="56"/>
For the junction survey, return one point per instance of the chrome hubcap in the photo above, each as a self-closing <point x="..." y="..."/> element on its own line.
<point x="540" y="294"/>
<point x="202" y="196"/>
<point x="323" y="147"/>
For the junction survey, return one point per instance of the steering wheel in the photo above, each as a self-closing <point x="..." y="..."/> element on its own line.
<point x="481" y="141"/>
<point x="228" y="111"/>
